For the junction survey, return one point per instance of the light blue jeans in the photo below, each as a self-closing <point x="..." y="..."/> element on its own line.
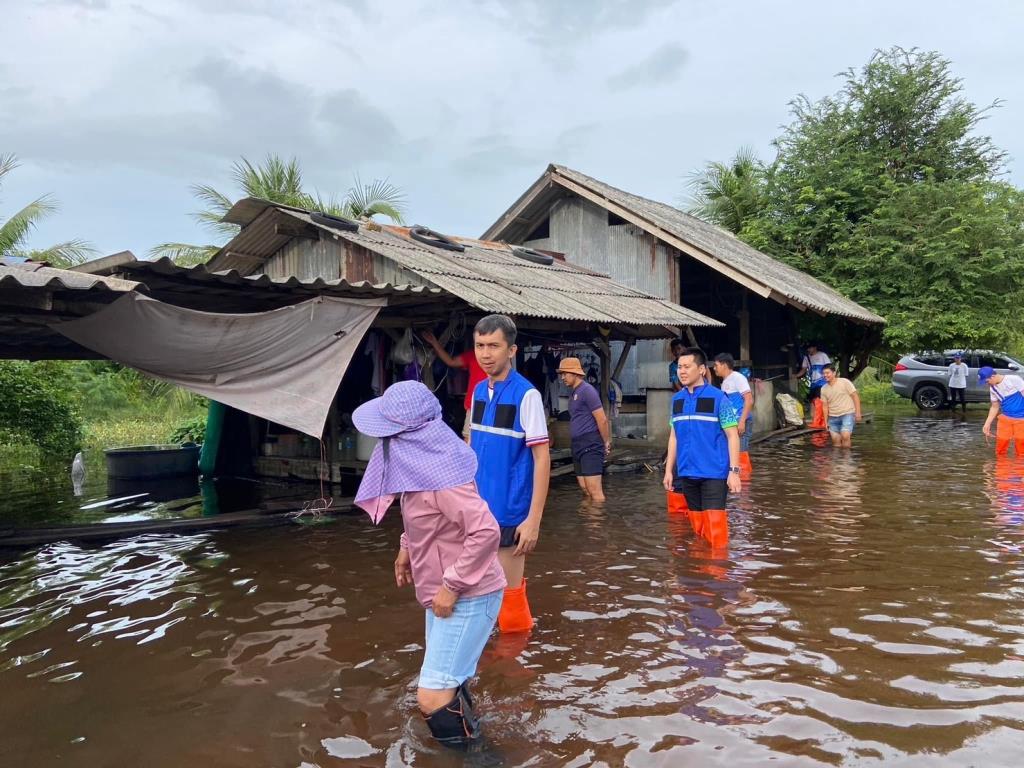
<point x="842" y="423"/>
<point x="454" y="644"/>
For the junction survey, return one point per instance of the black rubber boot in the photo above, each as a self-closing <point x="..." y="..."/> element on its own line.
<point x="454" y="724"/>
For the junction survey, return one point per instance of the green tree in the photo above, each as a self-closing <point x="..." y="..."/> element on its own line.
<point x="37" y="410"/>
<point x="729" y="194"/>
<point x="15" y="230"/>
<point x="888" y="192"/>
<point x="280" y="181"/>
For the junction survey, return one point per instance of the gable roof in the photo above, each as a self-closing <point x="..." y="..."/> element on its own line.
<point x="713" y="246"/>
<point x="486" y="275"/>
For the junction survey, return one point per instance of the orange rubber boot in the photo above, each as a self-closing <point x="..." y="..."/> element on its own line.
<point x="746" y="468"/>
<point x="818" y="422"/>
<point x="514" y="615"/>
<point x="716" y="531"/>
<point x="699" y="521"/>
<point x="1003" y="447"/>
<point x="676" y="503"/>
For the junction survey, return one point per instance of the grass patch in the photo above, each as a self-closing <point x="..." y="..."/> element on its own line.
<point x="875" y="388"/>
<point x="131" y="429"/>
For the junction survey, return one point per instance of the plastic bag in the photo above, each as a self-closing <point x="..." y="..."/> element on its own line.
<point x="403" y="353"/>
<point x="792" y="411"/>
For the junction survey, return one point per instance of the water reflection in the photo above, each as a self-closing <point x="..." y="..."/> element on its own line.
<point x="867" y="610"/>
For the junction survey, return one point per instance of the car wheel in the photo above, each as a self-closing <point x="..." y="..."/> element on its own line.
<point x="929" y="397"/>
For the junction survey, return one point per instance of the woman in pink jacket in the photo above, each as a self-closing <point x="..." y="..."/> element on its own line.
<point x="448" y="551"/>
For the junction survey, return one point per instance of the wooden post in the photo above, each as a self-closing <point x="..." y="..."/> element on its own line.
<point x="604" y="352"/>
<point x="332" y="436"/>
<point x="690" y="337"/>
<point x="622" y="358"/>
<point x="744" y="316"/>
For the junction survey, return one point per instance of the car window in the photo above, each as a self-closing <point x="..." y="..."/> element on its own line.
<point x="930" y="358"/>
<point x="992" y="360"/>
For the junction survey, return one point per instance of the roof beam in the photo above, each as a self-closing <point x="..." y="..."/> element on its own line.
<point x="516" y="211"/>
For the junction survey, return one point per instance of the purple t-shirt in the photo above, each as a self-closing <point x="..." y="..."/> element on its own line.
<point x="583" y="401"/>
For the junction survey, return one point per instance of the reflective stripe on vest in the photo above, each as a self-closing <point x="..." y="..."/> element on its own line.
<point x="504" y="474"/>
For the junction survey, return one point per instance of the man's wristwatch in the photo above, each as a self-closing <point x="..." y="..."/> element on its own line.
<point x="734" y="469"/>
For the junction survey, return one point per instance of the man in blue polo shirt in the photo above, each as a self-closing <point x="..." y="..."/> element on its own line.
<point x="1007" y="396"/>
<point x="703" y="448"/>
<point x="509" y="434"/>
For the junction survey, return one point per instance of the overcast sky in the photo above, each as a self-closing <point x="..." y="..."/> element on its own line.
<point x="116" y="107"/>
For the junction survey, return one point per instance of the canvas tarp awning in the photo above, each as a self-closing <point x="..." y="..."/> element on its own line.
<point x="284" y="365"/>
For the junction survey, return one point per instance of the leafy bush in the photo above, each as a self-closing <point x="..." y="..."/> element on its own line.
<point x="875" y="388"/>
<point x="36" y="410"/>
<point x="190" y="430"/>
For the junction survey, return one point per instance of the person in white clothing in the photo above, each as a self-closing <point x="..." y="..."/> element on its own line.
<point x="813" y="366"/>
<point x="737" y="389"/>
<point x="958" y="382"/>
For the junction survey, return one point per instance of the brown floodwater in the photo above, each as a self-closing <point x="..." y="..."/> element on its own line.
<point x="870" y="612"/>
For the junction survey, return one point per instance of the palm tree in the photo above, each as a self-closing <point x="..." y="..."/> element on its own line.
<point x="14" y="231"/>
<point x="728" y="194"/>
<point x="280" y="182"/>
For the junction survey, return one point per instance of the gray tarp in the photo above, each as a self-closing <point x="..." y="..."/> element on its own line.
<point x="284" y="365"/>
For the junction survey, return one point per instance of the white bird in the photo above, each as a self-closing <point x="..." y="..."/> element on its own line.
<point x="78" y="473"/>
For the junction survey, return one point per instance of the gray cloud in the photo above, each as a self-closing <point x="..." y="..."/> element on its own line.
<point x="564" y="21"/>
<point x="501" y="153"/>
<point x="253" y="112"/>
<point x="662" y="66"/>
<point x="89" y="5"/>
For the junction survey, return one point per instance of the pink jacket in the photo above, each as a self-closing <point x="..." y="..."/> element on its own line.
<point x="452" y="539"/>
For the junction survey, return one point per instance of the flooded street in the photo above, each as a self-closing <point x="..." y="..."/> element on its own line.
<point x="870" y="612"/>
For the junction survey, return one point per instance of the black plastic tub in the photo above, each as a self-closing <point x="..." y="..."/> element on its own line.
<point x="148" y="462"/>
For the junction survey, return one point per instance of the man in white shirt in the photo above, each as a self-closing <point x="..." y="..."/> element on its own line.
<point x="737" y="389"/>
<point x="1007" y="397"/>
<point x="813" y="366"/>
<point x="958" y="382"/>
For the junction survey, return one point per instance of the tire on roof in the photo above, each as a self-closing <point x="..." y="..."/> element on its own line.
<point x="529" y="254"/>
<point x="429" y="237"/>
<point x="336" y="222"/>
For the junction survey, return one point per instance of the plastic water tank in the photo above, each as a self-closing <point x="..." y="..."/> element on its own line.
<point x="364" y="446"/>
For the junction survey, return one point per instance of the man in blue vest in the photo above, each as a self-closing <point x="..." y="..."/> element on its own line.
<point x="509" y="433"/>
<point x="703" y="448"/>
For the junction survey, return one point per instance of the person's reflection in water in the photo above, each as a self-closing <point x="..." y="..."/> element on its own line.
<point x="839" y="481"/>
<point x="706" y="591"/>
<point x="1005" y="488"/>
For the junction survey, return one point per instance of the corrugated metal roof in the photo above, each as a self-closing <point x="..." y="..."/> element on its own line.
<point x="718" y="248"/>
<point x="34" y="275"/>
<point x="490" y="277"/>
<point x="231" y="277"/>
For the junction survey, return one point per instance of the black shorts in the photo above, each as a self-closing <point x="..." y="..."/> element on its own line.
<point x="701" y="493"/>
<point x="508" y="536"/>
<point x="588" y="455"/>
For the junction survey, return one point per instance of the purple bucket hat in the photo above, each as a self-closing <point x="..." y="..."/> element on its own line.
<point x="417" y="450"/>
<point x="403" y="406"/>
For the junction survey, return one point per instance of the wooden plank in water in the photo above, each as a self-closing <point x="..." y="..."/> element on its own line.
<point x="28" y="537"/>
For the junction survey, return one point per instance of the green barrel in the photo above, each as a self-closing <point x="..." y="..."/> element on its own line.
<point x="211" y="442"/>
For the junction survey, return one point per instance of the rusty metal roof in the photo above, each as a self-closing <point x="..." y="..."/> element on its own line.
<point x="489" y="276"/>
<point x="718" y="249"/>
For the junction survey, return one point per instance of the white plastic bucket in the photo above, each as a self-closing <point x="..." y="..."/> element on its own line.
<point x="364" y="446"/>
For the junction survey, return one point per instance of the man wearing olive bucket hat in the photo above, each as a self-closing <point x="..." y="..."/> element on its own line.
<point x="448" y="550"/>
<point x="588" y="428"/>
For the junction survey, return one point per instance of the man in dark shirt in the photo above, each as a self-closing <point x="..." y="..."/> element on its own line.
<point x="588" y="428"/>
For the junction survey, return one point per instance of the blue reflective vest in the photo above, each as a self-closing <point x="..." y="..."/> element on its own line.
<point x="504" y="474"/>
<point x="702" y="449"/>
